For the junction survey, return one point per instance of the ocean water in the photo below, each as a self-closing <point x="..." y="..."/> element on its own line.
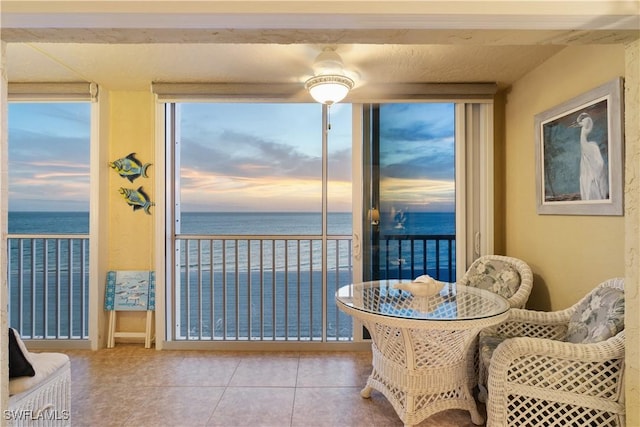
<point x="243" y="223"/>
<point x="397" y="254"/>
<point x="48" y="222"/>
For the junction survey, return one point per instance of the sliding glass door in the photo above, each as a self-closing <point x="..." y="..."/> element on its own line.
<point x="427" y="198"/>
<point x="261" y="221"/>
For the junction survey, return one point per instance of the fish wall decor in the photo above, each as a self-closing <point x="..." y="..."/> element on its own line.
<point x="130" y="168"/>
<point x="138" y="199"/>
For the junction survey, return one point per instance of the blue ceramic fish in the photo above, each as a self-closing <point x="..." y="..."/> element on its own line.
<point x="129" y="167"/>
<point x="137" y="198"/>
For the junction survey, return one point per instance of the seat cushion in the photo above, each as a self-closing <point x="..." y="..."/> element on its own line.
<point x="488" y="344"/>
<point x="493" y="275"/>
<point x="44" y="365"/>
<point x="598" y="317"/>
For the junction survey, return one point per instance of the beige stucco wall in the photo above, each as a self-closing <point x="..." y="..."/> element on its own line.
<point x="632" y="231"/>
<point x="131" y="233"/>
<point x="569" y="255"/>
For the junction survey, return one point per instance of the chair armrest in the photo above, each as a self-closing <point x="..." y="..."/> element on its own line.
<point x="533" y="377"/>
<point x="534" y="324"/>
<point x="515" y="348"/>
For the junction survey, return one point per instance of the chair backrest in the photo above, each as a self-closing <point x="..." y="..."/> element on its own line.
<point x="599" y="315"/>
<point x="508" y="277"/>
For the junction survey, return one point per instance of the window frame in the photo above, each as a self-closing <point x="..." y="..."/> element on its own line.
<point x="474" y="123"/>
<point x="40" y="92"/>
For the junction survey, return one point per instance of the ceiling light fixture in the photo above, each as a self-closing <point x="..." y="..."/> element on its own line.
<point x="330" y="84"/>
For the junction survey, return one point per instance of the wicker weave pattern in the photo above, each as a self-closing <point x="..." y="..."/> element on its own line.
<point x="48" y="403"/>
<point x="477" y="371"/>
<point x="544" y="381"/>
<point x="420" y="363"/>
<point x="427" y="377"/>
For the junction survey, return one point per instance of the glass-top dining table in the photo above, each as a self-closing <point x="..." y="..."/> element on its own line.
<point x="423" y="346"/>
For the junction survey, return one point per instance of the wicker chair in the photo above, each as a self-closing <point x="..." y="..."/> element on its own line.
<point x="508" y="277"/>
<point x="548" y="371"/>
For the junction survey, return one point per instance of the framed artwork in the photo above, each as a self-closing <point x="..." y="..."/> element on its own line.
<point x="579" y="150"/>
<point x="130" y="291"/>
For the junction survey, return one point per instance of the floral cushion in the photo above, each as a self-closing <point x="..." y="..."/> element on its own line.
<point x="494" y="275"/>
<point x="488" y="344"/>
<point x="597" y="318"/>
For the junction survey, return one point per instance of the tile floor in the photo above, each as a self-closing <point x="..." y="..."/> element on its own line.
<point x="132" y="386"/>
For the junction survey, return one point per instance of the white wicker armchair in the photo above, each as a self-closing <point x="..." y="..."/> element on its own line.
<point x="538" y="377"/>
<point x="510" y="278"/>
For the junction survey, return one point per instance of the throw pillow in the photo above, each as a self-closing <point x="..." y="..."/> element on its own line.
<point x="19" y="364"/>
<point x="493" y="275"/>
<point x="598" y="317"/>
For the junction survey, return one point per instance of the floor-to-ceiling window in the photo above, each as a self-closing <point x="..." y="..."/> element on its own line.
<point x="48" y="220"/>
<point x="262" y="221"/>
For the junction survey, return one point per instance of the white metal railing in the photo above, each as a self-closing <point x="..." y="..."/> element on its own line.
<point x="269" y="288"/>
<point x="230" y="288"/>
<point x="280" y="288"/>
<point x="48" y="284"/>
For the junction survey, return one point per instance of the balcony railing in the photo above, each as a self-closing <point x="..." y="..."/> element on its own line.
<point x="226" y="288"/>
<point x="243" y="288"/>
<point x="48" y="282"/>
<point x="269" y="288"/>
<point x="403" y="256"/>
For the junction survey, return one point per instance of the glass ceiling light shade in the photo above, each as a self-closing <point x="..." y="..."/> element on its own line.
<point x="330" y="84"/>
<point x="329" y="88"/>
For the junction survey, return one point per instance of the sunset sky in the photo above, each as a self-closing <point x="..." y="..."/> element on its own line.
<point x="242" y="157"/>
<point x="49" y="156"/>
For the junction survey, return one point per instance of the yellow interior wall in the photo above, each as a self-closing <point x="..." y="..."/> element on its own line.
<point x="131" y="236"/>
<point x="569" y="255"/>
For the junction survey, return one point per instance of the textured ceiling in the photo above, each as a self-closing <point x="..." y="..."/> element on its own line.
<point x="135" y="66"/>
<point x="106" y="43"/>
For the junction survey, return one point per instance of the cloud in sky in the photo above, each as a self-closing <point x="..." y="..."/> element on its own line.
<point x="49" y="156"/>
<point x="417" y="143"/>
<point x="261" y="157"/>
<point x="239" y="156"/>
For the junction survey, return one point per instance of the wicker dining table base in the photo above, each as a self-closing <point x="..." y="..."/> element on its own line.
<point x="423" y="372"/>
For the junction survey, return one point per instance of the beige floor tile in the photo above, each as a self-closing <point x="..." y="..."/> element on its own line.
<point x="254" y="406"/>
<point x="192" y="371"/>
<point x="113" y="370"/>
<point x="133" y="386"/>
<point x="104" y="405"/>
<point x="334" y="370"/>
<point x="176" y="406"/>
<point x="266" y="371"/>
<point x="331" y="406"/>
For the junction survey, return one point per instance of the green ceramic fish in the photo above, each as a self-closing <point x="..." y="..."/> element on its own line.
<point x="137" y="198"/>
<point x="129" y="167"/>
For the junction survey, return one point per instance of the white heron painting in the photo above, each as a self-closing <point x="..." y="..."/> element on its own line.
<point x="576" y="155"/>
<point x="579" y="154"/>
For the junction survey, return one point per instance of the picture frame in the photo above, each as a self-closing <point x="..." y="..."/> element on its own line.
<point x="579" y="154"/>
